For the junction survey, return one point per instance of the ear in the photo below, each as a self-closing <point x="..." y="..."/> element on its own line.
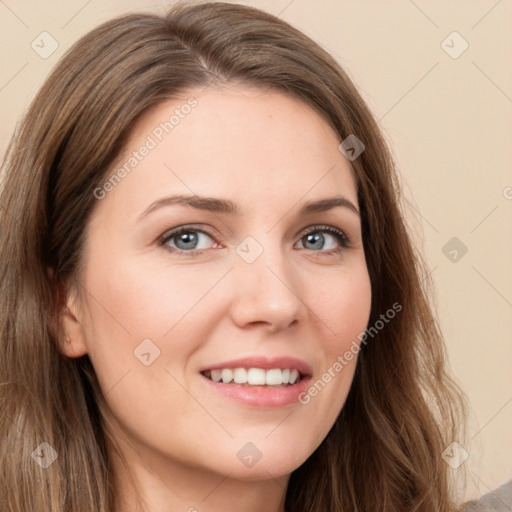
<point x="68" y="326"/>
<point x="71" y="319"/>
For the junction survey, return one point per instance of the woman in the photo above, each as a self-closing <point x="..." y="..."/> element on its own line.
<point x="211" y="300"/>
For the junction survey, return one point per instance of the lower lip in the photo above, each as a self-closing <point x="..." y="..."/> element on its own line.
<point x="261" y="396"/>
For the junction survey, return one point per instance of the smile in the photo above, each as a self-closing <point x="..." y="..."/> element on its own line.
<point x="255" y="376"/>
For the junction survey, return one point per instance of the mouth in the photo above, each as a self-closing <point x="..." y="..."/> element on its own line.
<point x="258" y="381"/>
<point x="255" y="377"/>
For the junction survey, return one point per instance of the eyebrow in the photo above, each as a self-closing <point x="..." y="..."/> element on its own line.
<point x="228" y="207"/>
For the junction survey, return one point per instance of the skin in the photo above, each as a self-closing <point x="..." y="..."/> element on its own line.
<point x="270" y="153"/>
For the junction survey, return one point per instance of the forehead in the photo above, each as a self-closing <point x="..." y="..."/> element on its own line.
<point x="246" y="143"/>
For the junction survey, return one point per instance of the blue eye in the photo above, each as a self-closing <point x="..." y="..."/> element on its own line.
<point x="315" y="237"/>
<point x="185" y="239"/>
<point x="188" y="239"/>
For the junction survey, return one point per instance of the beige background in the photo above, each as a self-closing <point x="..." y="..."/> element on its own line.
<point x="449" y="121"/>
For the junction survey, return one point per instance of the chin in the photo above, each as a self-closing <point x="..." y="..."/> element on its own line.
<point x="272" y="461"/>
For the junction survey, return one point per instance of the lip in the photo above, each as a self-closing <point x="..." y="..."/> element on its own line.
<point x="261" y="396"/>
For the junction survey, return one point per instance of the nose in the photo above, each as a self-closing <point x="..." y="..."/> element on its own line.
<point x="268" y="293"/>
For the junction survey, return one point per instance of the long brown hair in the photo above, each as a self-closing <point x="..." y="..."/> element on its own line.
<point x="384" y="451"/>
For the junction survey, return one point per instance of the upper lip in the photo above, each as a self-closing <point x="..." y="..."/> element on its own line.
<point x="266" y="363"/>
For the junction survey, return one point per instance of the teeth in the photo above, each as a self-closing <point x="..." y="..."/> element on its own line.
<point x="274" y="377"/>
<point x="227" y="376"/>
<point x="254" y="376"/>
<point x="240" y="375"/>
<point x="216" y="375"/>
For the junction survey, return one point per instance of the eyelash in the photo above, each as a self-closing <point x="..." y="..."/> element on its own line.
<point x="339" y="235"/>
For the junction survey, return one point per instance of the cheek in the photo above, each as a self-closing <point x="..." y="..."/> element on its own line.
<point x="144" y="315"/>
<point x="130" y="304"/>
<point x="343" y="305"/>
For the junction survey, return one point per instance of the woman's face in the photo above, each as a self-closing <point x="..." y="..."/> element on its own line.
<point x="163" y="316"/>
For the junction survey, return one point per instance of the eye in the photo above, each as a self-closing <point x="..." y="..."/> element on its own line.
<point x="189" y="239"/>
<point x="315" y="237"/>
<point x="186" y="239"/>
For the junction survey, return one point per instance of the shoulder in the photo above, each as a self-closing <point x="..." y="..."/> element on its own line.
<point x="498" y="500"/>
